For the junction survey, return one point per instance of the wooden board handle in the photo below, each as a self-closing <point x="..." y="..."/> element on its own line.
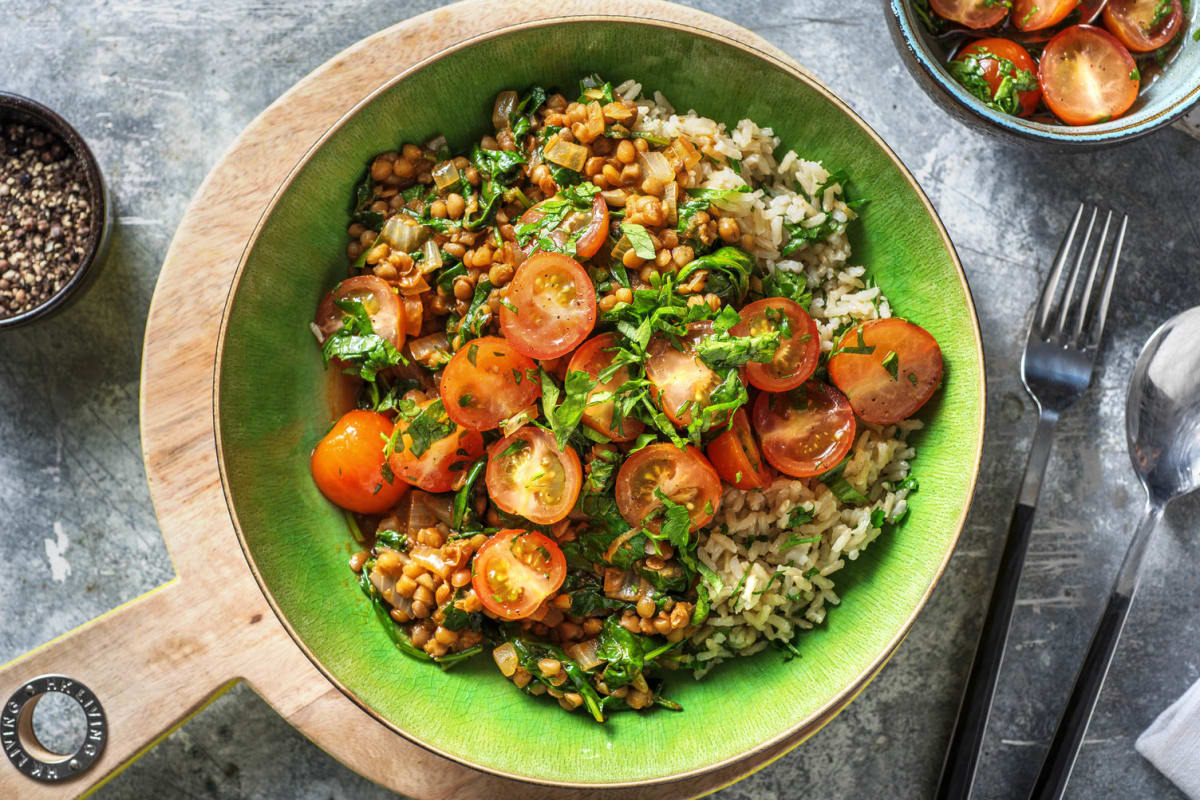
<point x="151" y="663"/>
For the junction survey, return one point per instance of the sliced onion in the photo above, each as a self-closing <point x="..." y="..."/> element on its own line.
<point x="412" y="285"/>
<point x="584" y="653"/>
<point x="386" y="586"/>
<point x="506" y="659"/>
<point x="414" y="315"/>
<point x="445" y="175"/>
<point x="656" y="165"/>
<point x="431" y="559"/>
<point x="567" y="154"/>
<point x="505" y="103"/>
<point x="433" y="256"/>
<point x="432" y="351"/>
<point x="522" y="417"/>
<point x="671" y="201"/>
<point x="436" y="145"/>
<point x="688" y="155"/>
<point x="615" y="198"/>
<point x="595" y="120"/>
<point x="403" y="233"/>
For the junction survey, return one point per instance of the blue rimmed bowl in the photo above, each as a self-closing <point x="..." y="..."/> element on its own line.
<point x="1169" y="95"/>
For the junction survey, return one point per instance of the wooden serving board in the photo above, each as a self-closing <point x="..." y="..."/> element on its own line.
<point x="158" y="659"/>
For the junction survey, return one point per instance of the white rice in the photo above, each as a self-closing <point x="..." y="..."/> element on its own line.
<point x="773" y="586"/>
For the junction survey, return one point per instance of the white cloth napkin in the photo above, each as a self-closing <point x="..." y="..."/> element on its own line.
<point x="1172" y="742"/>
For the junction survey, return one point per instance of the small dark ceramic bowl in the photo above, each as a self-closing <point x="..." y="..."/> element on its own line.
<point x="1168" y="96"/>
<point x="15" y="108"/>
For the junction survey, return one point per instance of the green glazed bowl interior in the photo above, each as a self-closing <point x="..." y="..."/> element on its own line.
<point x="273" y="405"/>
<point x="1168" y="95"/>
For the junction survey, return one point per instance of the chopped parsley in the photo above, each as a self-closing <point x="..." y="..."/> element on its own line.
<point x="891" y="362"/>
<point x="358" y="346"/>
<point x="969" y="70"/>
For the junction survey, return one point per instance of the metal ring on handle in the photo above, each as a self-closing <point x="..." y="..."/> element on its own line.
<point x="19" y="743"/>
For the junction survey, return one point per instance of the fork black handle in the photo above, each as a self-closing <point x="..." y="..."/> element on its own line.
<point x="962" y="756"/>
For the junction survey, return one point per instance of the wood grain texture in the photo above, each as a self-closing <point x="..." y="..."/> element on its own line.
<point x="161" y="657"/>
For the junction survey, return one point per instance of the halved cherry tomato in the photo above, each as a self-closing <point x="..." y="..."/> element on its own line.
<point x="380" y="302"/>
<point x="1033" y="15"/>
<point x="515" y="571"/>
<point x="486" y="382"/>
<point x="438" y="468"/>
<point x="796" y="357"/>
<point x="1138" y="24"/>
<point x="594" y="357"/>
<point x="591" y="227"/>
<point x="1087" y="76"/>
<point x="972" y="13"/>
<point x="736" y="456"/>
<point x="1021" y="60"/>
<point x="529" y="476"/>
<point x="348" y="464"/>
<point x="896" y="376"/>
<point x="806" y="431"/>
<point x="684" y="476"/>
<point x="680" y="383"/>
<point x="553" y="306"/>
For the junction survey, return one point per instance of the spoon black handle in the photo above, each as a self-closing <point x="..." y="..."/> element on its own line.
<point x="1064" y="747"/>
<point x="962" y="756"/>
<point x="1060" y="758"/>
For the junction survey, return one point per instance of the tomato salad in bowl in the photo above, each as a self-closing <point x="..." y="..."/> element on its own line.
<point x="1075" y="62"/>
<point x="623" y="407"/>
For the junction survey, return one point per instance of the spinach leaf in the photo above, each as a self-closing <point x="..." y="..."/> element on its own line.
<point x="458" y="620"/>
<point x="530" y="652"/>
<point x="728" y="273"/>
<point x="462" y="498"/>
<point x="473" y="322"/>
<point x="621" y="650"/>
<point x="393" y="539"/>
<point x="593" y="87"/>
<point x="364" y="195"/>
<point x="587" y="594"/>
<point x="500" y="165"/>
<point x="520" y="119"/>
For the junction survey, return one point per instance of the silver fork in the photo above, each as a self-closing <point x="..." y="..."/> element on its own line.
<point x="1056" y="368"/>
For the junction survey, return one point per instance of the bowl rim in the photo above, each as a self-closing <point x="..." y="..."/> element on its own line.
<point x="910" y="41"/>
<point x="20" y="106"/>
<point x="800" y="729"/>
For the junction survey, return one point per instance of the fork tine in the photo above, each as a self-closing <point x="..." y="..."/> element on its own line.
<point x="1042" y="315"/>
<point x="1114" y="261"/>
<point x="1091" y="280"/>
<point x="1069" y="295"/>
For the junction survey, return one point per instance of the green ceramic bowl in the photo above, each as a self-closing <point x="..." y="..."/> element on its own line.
<point x="273" y="405"/>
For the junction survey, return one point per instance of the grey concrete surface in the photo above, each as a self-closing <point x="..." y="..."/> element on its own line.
<point x="160" y="93"/>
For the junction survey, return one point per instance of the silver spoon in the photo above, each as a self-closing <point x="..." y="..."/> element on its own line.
<point x="1162" y="423"/>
